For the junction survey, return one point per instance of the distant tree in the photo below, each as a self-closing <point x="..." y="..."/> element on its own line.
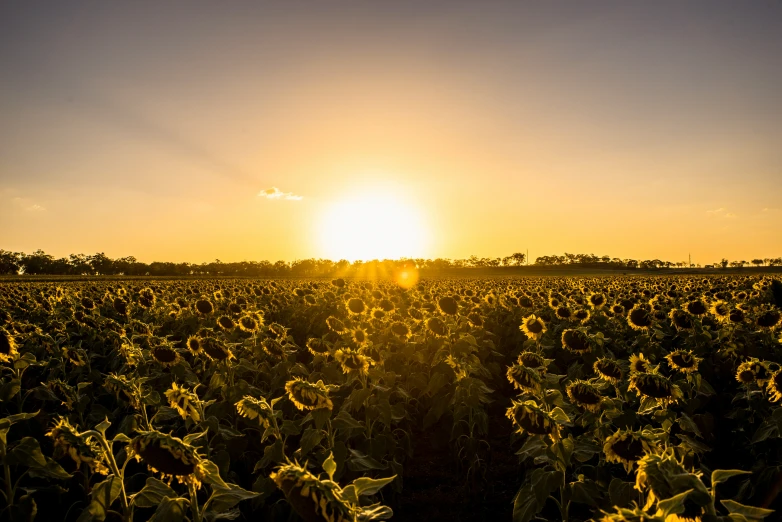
<point x="724" y="263"/>
<point x="757" y="262"/>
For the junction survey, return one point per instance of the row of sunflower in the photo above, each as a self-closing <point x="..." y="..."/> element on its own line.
<point x="208" y="399"/>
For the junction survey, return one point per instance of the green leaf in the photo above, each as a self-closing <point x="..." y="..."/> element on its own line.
<point x="673" y="505"/>
<point x="153" y="492"/>
<point x="370" y="486"/>
<point x="585" y="492"/>
<point x="212" y="474"/>
<point x="224" y="499"/>
<point x="621" y="493"/>
<point x="749" y="512"/>
<point x="766" y="430"/>
<point x="320" y="416"/>
<point x="345" y="420"/>
<point x="10" y="389"/>
<point x="361" y="462"/>
<point x="310" y="439"/>
<point x="560" y="416"/>
<point x="170" y="510"/>
<point x="721" y="475"/>
<point x="103" y="495"/>
<point x="28" y="452"/>
<point x="121" y="437"/>
<point x="329" y="466"/>
<point x="103" y="426"/>
<point x="375" y="512"/>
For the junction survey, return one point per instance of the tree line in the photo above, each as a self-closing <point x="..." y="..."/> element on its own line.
<point x="41" y="263"/>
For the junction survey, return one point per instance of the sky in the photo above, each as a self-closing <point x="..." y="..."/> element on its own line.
<point x="194" y="131"/>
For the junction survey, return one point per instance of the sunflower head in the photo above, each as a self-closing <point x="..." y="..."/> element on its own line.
<point x="639" y="318"/>
<point x="597" y="301"/>
<point x="681" y="319"/>
<point x="308" y="396"/>
<point x="769" y="319"/>
<point x="524" y="378"/>
<point x="204" y="306"/>
<point x="533" y="326"/>
<point x="335" y="325"/>
<point x="215" y="350"/>
<point x="400" y="329"/>
<point x="170" y="456"/>
<point x="576" y="341"/>
<point x="775" y="386"/>
<point x="697" y="307"/>
<point x="627" y="447"/>
<point x="530" y="418"/>
<point x="683" y="360"/>
<point x="608" y="370"/>
<point x="225" y="323"/>
<point x="448" y="305"/>
<point x="165" y="354"/>
<point x="313" y="498"/>
<point x="533" y="360"/>
<point x="437" y="326"/>
<point x="584" y="395"/>
<point x="193" y="344"/>
<point x="639" y="364"/>
<point x="255" y="409"/>
<point x="655" y="386"/>
<point x="184" y="401"/>
<point x="81" y="448"/>
<point x="317" y="346"/>
<point x="353" y="361"/>
<point x="356" y="306"/>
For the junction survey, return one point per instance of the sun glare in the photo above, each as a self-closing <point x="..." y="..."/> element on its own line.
<point x="372" y="227"/>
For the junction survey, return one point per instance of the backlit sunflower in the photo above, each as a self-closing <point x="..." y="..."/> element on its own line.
<point x="584" y="395"/>
<point x="627" y="447"/>
<point x="683" y="360"/>
<point x="352" y="361"/>
<point x="312" y="498"/>
<point x="639" y="318"/>
<point x="7" y="346"/>
<point x="184" y="401"/>
<point x="255" y="409"/>
<point x="530" y="418"/>
<point x="437" y="326"/>
<point x="170" y="456"/>
<point x="639" y="364"/>
<point x="775" y="386"/>
<point x="655" y="386"/>
<point x="308" y="396"/>
<point x="608" y="369"/>
<point x="524" y="378"/>
<point x="576" y="341"/>
<point x="165" y="355"/>
<point x="81" y="448"/>
<point x="533" y="326"/>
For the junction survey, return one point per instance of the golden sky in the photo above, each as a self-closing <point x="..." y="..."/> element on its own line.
<point x="641" y="130"/>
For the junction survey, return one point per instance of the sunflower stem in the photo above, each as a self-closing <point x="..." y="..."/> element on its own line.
<point x="194" y="502"/>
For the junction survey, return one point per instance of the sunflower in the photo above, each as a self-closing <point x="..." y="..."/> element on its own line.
<point x="436" y="326"/>
<point x="745" y="373"/>
<point x="215" y="350"/>
<point x="639" y="318"/>
<point x="165" y="355"/>
<point x="352" y="361"/>
<point x="356" y="306"/>
<point x="255" y="409"/>
<point x="533" y="360"/>
<point x="769" y="319"/>
<point x="225" y="323"/>
<point x="638" y="364"/>
<point x="204" y="306"/>
<point x="720" y="309"/>
<point x="275" y="348"/>
<point x="655" y="386"/>
<point x="170" y="456"/>
<point x="448" y="305"/>
<point x="317" y="346"/>
<point x="533" y="326"/>
<point x="120" y="306"/>
<point x="576" y="341"/>
<point x="697" y="307"/>
<point x="617" y="309"/>
<point x="7" y="346"/>
<point x="608" y="370"/>
<point x="736" y="315"/>
<point x="400" y="329"/>
<point x="524" y="378"/>
<point x="627" y="447"/>
<point x="81" y="449"/>
<point x="360" y="336"/>
<point x="582" y="315"/>
<point x="313" y="499"/>
<point x="564" y="313"/>
<point x="775" y="386"/>
<point x="597" y="301"/>
<point x="130" y="388"/>
<point x="681" y="319"/>
<point x="184" y="401"/>
<point x="308" y="396"/>
<point x="193" y="344"/>
<point x="529" y="417"/>
<point x="683" y="360"/>
<point x="584" y="395"/>
<point x="335" y="325"/>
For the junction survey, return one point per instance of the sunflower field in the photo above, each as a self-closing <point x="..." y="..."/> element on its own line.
<point x="653" y="398"/>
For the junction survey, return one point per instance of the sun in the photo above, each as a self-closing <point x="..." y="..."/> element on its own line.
<point x="372" y="226"/>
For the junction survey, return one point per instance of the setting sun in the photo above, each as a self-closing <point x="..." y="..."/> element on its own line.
<point x="372" y="226"/>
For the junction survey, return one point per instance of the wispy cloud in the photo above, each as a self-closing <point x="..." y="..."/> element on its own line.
<point x="275" y="193"/>
<point x="28" y="205"/>
<point x="721" y="212"/>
